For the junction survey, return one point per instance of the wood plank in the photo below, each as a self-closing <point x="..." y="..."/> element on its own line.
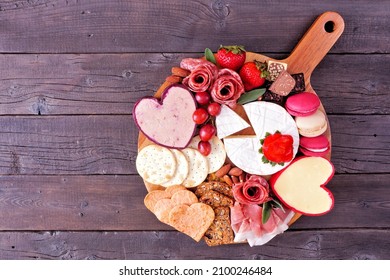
<point x="102" y="144"/>
<point x="73" y="203"/>
<point x="111" y="83"/>
<point x="361" y="144"/>
<point x="330" y="244"/>
<point x="176" y="26"/>
<point x="67" y="145"/>
<point x="116" y="203"/>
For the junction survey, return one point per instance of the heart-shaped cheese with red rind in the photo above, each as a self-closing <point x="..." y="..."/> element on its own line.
<point x="301" y="185"/>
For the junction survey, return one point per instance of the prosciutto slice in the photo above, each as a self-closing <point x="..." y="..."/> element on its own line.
<point x="247" y="225"/>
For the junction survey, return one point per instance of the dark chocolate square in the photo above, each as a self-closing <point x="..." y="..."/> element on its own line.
<point x="299" y="83"/>
<point x="273" y="97"/>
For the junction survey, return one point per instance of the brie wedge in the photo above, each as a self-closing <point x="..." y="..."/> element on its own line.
<point x="229" y="122"/>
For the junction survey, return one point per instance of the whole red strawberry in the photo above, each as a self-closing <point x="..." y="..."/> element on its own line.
<point x="253" y="74"/>
<point x="232" y="57"/>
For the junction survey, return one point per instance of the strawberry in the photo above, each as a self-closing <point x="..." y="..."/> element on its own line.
<point x="277" y="148"/>
<point x="253" y="74"/>
<point x="232" y="57"/>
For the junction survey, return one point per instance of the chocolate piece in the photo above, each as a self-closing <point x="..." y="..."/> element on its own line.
<point x="273" y="97"/>
<point x="275" y="68"/>
<point x="283" y="84"/>
<point x="299" y="83"/>
<point x="220" y="232"/>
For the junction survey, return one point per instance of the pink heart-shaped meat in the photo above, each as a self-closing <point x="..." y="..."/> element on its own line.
<point x="167" y="122"/>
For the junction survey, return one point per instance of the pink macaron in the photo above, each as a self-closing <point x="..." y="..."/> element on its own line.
<point x="314" y="146"/>
<point x="302" y="104"/>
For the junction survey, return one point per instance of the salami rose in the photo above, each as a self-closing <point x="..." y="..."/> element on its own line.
<point x="203" y="74"/>
<point x="227" y="88"/>
<point x="255" y="190"/>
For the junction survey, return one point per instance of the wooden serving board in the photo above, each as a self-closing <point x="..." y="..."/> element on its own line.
<point x="307" y="54"/>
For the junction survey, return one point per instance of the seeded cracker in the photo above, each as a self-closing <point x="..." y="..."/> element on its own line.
<point x="220" y="232"/>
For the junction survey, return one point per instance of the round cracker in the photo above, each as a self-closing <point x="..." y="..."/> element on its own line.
<point x="156" y="164"/>
<point x="198" y="168"/>
<point x="181" y="170"/>
<point x="217" y="156"/>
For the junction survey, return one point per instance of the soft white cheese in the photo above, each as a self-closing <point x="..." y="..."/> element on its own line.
<point x="265" y="117"/>
<point x="229" y="122"/>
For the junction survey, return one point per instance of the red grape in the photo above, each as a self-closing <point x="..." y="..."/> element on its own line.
<point x="202" y="97"/>
<point x="214" y="109"/>
<point x="204" y="147"/>
<point x="200" y="115"/>
<point x="206" y="132"/>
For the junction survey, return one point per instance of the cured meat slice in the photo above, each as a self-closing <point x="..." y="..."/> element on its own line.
<point x="247" y="225"/>
<point x="227" y="88"/>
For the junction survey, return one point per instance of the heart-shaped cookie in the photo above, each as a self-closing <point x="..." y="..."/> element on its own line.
<point x="301" y="186"/>
<point x="154" y="196"/>
<point x="192" y="220"/>
<point x="168" y="121"/>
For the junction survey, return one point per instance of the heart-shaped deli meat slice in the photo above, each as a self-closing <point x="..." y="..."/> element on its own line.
<point x="301" y="186"/>
<point x="168" y="121"/>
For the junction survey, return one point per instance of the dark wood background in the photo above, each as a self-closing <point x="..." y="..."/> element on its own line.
<point x="70" y="72"/>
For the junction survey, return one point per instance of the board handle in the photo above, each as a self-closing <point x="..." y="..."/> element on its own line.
<point x="315" y="44"/>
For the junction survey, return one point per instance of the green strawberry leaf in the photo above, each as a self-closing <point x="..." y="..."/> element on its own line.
<point x="264" y="74"/>
<point x="209" y="56"/>
<point x="251" y="96"/>
<point x="266" y="213"/>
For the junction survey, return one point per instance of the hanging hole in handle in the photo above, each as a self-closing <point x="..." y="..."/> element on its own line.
<point x="329" y="26"/>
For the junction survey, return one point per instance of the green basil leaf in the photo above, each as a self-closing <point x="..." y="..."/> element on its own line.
<point x="276" y="203"/>
<point x="251" y="96"/>
<point x="266" y="213"/>
<point x="209" y="56"/>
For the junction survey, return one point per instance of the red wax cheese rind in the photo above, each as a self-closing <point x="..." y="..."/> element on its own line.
<point x="301" y="186"/>
<point x="314" y="146"/>
<point x="168" y="121"/>
<point x="302" y="104"/>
